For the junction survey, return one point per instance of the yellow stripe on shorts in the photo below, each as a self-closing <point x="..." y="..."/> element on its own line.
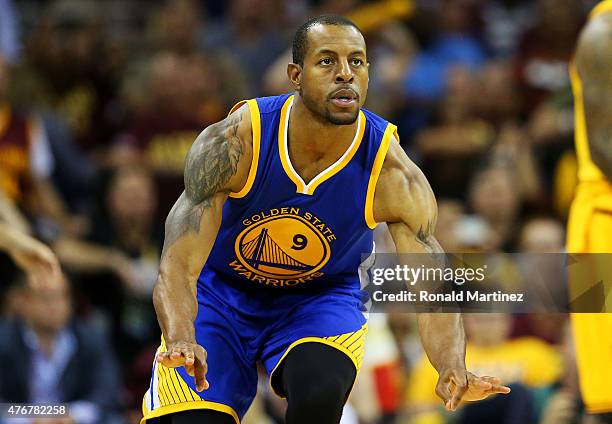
<point x="350" y="343"/>
<point x="174" y="395"/>
<point x="171" y="387"/>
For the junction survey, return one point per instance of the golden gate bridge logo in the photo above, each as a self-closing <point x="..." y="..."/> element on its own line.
<point x="263" y="250"/>
<point x="285" y="246"/>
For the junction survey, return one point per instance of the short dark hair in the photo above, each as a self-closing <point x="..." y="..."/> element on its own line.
<point x="301" y="35"/>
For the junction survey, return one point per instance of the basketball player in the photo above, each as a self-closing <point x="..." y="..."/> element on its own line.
<point x="590" y="221"/>
<point x="279" y="205"/>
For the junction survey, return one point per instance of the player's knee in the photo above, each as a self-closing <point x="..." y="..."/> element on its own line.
<point x="321" y="401"/>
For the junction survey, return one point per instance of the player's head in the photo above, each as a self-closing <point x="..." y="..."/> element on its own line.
<point x="330" y="68"/>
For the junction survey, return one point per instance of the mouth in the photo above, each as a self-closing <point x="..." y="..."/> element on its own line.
<point x="344" y="98"/>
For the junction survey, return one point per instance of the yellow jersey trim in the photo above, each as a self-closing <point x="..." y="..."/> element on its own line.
<point x="236" y="107"/>
<point x="256" y="126"/>
<point x="188" y="406"/>
<point x="601" y="7"/>
<point x="376" y="168"/>
<point x="355" y="355"/>
<point x="330" y="171"/>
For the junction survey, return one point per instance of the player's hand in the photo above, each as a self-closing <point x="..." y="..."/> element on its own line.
<point x="456" y="385"/>
<point x="192" y="356"/>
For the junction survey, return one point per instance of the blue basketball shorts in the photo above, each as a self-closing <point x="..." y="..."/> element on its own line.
<point x="240" y="328"/>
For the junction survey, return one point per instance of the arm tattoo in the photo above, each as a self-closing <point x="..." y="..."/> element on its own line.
<point x="425" y="237"/>
<point x="213" y="159"/>
<point x="211" y="163"/>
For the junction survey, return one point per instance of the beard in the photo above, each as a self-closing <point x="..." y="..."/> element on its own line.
<point x="341" y="120"/>
<point x="324" y="114"/>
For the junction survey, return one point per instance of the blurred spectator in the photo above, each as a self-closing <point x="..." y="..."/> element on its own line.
<point x="542" y="235"/>
<point x="453" y="45"/>
<point x="495" y="198"/>
<point x="26" y="162"/>
<point x="564" y="404"/>
<point x="73" y="174"/>
<point x="12" y="216"/>
<point x="68" y="69"/>
<point x="497" y="99"/>
<point x="52" y="359"/>
<point x="125" y="215"/>
<point x="118" y="263"/>
<point x="32" y="256"/>
<point x="545" y="50"/>
<point x="451" y="149"/>
<point x="175" y="26"/>
<point x="513" y="152"/>
<point x="378" y="392"/>
<point x="449" y="215"/>
<point x="505" y="21"/>
<point x="251" y="35"/>
<point x="528" y="362"/>
<point x="540" y="238"/>
<point x="174" y="113"/>
<point x="184" y="94"/>
<point x="9" y="31"/>
<point x="551" y="129"/>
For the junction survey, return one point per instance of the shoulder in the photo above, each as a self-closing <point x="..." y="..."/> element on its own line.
<point x="402" y="192"/>
<point x="221" y="155"/>
<point x="271" y="104"/>
<point x="378" y="123"/>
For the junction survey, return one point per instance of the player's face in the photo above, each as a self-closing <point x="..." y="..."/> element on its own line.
<point x="333" y="82"/>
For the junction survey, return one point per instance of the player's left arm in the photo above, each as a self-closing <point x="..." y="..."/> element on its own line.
<point x="594" y="61"/>
<point x="404" y="200"/>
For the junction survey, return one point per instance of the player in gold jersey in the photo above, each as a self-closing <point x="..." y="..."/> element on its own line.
<point x="590" y="221"/>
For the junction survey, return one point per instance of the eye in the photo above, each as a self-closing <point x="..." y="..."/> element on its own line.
<point x="326" y="61"/>
<point x="356" y="62"/>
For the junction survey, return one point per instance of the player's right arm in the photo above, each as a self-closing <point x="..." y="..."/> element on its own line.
<point x="594" y="62"/>
<point x="217" y="164"/>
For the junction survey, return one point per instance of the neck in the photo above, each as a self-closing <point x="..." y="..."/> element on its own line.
<point x="46" y="340"/>
<point x="303" y="123"/>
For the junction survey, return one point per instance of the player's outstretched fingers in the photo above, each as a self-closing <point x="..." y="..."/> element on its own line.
<point x="480" y="383"/>
<point x="496" y="386"/>
<point x="200" y="368"/>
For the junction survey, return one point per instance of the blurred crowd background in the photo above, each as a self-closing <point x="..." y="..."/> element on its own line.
<point x="101" y="100"/>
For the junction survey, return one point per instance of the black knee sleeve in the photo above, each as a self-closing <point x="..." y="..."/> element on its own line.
<point x="194" y="416"/>
<point x="317" y="379"/>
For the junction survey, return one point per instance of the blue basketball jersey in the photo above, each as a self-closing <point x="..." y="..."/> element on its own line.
<point x="280" y="232"/>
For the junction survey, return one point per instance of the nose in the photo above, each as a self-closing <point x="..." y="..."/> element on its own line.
<point x="345" y="73"/>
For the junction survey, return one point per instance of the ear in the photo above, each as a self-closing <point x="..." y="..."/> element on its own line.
<point x="294" y="72"/>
